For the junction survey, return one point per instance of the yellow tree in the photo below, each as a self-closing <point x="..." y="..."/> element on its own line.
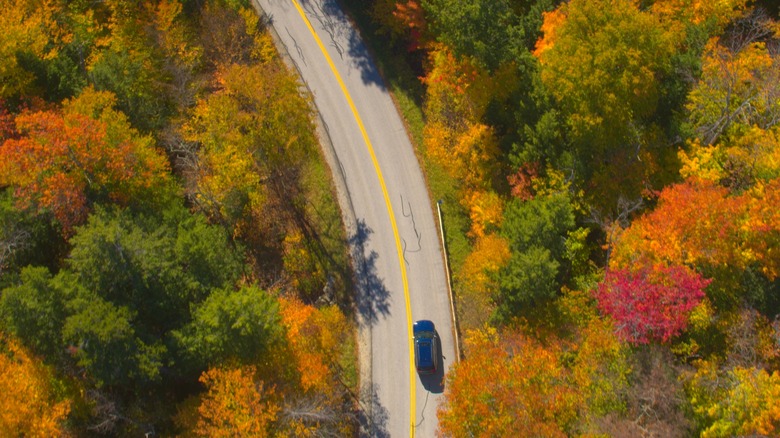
<point x="599" y="59"/>
<point x="763" y="236"/>
<point x="734" y="109"/>
<point x="318" y="337"/>
<point x="306" y="274"/>
<point x="236" y="404"/>
<point x="601" y="62"/>
<point x="599" y="360"/>
<point x="454" y="138"/>
<point x="30" y="406"/>
<point x="254" y="133"/>
<point x="453" y="135"/>
<point x="28" y="28"/>
<point x="477" y="279"/>
<point x="679" y="13"/>
<point x="739" y="401"/>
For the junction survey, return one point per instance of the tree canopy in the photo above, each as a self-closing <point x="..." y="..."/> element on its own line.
<point x="614" y="165"/>
<point x="160" y="193"/>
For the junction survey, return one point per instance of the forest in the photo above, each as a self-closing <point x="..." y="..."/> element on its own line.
<point x="610" y="171"/>
<point x="172" y="259"/>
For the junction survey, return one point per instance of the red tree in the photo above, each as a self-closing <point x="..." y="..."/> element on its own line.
<point x="651" y="303"/>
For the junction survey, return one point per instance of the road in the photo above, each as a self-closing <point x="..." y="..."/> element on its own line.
<point x="389" y="216"/>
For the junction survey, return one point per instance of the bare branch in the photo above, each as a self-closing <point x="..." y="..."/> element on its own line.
<point x="13" y="240"/>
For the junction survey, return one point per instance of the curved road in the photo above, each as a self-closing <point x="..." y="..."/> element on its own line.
<point x="389" y="216"/>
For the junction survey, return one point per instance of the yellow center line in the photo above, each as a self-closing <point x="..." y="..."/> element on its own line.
<point x="389" y="206"/>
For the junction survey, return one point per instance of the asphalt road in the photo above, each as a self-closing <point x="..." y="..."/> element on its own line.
<point x="389" y="216"/>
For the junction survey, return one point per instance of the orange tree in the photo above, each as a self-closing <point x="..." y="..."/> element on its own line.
<point x="65" y="161"/>
<point x="507" y="386"/>
<point x="30" y="404"/>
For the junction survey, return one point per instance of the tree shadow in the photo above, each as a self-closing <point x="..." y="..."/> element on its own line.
<point x="435" y="382"/>
<point x="371" y="293"/>
<point x="344" y="37"/>
<point x="372" y="418"/>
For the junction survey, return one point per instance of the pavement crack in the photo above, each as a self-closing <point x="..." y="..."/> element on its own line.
<point x="414" y="223"/>
<point x="422" y="414"/>
<point x="297" y="47"/>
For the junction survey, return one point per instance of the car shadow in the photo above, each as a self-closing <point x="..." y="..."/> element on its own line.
<point x="435" y="382"/>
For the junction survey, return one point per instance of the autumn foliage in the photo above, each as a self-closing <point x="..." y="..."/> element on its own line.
<point x="121" y="123"/>
<point x="507" y="387"/>
<point x="307" y="390"/>
<point x="314" y="335"/>
<point x="739" y="401"/>
<point x="614" y="167"/>
<point x="513" y="383"/>
<point x="30" y="403"/>
<point x="65" y="161"/>
<point x="700" y="223"/>
<point x="658" y="122"/>
<point x="236" y="404"/>
<point x="650" y="303"/>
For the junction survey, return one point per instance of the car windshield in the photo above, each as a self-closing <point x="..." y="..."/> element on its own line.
<point x="423" y="329"/>
<point x="423" y="334"/>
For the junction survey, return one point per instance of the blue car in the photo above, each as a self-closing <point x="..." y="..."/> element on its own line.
<point x="425" y="350"/>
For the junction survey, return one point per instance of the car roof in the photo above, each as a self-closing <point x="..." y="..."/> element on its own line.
<point x="425" y="354"/>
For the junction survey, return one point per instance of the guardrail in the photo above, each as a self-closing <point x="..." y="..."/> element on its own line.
<point x="449" y="281"/>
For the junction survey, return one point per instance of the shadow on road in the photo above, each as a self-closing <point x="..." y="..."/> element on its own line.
<point x="344" y="38"/>
<point x="373" y="418"/>
<point x="372" y="295"/>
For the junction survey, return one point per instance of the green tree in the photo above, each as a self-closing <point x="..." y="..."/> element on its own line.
<point x="529" y="278"/>
<point x="104" y="341"/>
<point x="536" y="231"/>
<point x="241" y="324"/>
<point x="128" y="63"/>
<point x="485" y="30"/>
<point x="25" y="239"/>
<point x="34" y="312"/>
<point x="155" y="266"/>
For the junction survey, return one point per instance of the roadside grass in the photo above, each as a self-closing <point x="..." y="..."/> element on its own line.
<point x="349" y="370"/>
<point x="329" y="242"/>
<point x="408" y="93"/>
